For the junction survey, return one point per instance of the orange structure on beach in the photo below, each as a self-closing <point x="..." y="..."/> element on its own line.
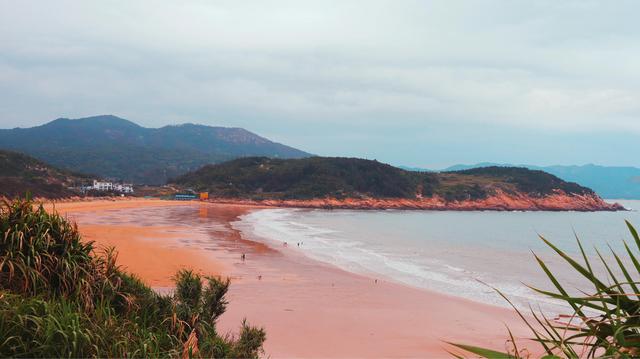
<point x="204" y="196"/>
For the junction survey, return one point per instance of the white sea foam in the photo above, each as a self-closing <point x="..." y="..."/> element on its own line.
<point x="359" y="256"/>
<point x="452" y="253"/>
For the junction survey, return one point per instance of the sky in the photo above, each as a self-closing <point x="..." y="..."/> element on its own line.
<point x="417" y="83"/>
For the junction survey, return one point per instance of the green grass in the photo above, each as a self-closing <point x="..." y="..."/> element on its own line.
<point x="59" y="298"/>
<point x="605" y="319"/>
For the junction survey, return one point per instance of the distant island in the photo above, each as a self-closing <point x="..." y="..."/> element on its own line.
<point x="335" y="182"/>
<point x="112" y="147"/>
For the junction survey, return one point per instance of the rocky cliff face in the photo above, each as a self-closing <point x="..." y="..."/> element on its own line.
<point x="500" y="201"/>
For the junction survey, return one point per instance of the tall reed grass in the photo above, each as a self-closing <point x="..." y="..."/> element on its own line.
<point x="60" y="297"/>
<point x="605" y="319"/>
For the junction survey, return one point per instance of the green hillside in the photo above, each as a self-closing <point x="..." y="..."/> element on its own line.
<point x="321" y="177"/>
<point x="113" y="147"/>
<point x="20" y="174"/>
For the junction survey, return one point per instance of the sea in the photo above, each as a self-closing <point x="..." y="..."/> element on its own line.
<point x="473" y="254"/>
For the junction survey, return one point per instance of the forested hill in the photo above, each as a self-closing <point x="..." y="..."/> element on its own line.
<point x="113" y="147"/>
<point x="20" y="174"/>
<point x="321" y="177"/>
<point x="607" y="181"/>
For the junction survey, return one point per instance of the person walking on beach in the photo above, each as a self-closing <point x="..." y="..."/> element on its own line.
<point x="243" y="257"/>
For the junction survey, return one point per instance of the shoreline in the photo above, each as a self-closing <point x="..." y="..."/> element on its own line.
<point x="499" y="202"/>
<point x="308" y="308"/>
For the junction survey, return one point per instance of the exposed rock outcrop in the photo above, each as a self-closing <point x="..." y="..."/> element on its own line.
<point x="500" y="201"/>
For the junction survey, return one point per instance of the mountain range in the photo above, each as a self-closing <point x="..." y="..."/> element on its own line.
<point x="608" y="181"/>
<point x="112" y="147"/>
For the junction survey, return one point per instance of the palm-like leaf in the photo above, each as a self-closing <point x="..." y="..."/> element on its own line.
<point x="611" y="328"/>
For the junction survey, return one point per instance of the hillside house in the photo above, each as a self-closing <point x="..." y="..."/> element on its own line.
<point x="123" y="188"/>
<point x="101" y="186"/>
<point x="110" y="186"/>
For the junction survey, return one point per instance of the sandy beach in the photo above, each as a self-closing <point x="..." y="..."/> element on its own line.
<point x="309" y="309"/>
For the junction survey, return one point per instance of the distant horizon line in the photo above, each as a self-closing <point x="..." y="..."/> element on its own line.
<point x="505" y="164"/>
<point x="392" y="163"/>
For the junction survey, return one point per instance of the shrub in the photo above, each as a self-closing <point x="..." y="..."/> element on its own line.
<point x="59" y="298"/>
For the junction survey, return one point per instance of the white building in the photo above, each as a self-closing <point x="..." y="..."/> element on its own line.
<point x="110" y="186"/>
<point x="102" y="186"/>
<point x="123" y="188"/>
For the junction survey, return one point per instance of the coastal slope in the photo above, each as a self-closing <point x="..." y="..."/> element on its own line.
<point x="336" y="182"/>
<point x="20" y="174"/>
<point x="606" y="181"/>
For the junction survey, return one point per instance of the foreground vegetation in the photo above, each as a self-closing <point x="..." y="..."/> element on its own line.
<point x="337" y="177"/>
<point x="58" y="298"/>
<point x="604" y="323"/>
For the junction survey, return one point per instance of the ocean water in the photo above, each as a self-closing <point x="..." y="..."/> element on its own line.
<point x="466" y="254"/>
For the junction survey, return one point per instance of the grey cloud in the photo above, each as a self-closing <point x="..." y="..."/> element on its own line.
<point x="281" y="67"/>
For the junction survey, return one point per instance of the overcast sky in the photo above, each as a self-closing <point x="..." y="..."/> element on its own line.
<point x="420" y="83"/>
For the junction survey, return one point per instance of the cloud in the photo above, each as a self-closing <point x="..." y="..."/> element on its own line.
<point x="280" y="67"/>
